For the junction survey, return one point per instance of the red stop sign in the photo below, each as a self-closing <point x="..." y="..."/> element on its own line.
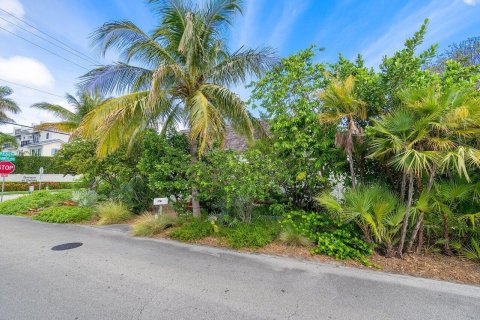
<point x="6" y="167"/>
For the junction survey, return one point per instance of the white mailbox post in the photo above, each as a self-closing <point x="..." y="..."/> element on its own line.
<point x="160" y="202"/>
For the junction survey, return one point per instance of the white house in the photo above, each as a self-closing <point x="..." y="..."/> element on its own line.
<point x="33" y="142"/>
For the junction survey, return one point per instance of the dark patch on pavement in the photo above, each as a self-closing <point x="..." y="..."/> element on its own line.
<point x="67" y="246"/>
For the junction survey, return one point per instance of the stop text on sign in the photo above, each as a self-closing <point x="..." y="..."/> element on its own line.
<point x="6" y="167"/>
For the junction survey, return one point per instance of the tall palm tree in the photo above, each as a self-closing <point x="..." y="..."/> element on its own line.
<point x="181" y="75"/>
<point x="430" y="132"/>
<point x="7" y="104"/>
<point x="71" y="120"/>
<point x="340" y="105"/>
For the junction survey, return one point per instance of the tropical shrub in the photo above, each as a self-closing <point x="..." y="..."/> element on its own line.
<point x="85" y="197"/>
<point x="195" y="230"/>
<point x="252" y="235"/>
<point x="32" y="164"/>
<point x="165" y="161"/>
<point x="330" y="237"/>
<point x="292" y="237"/>
<point x="148" y="224"/>
<point x="111" y="212"/>
<point x="64" y="214"/>
<point x="232" y="182"/>
<point x="35" y="201"/>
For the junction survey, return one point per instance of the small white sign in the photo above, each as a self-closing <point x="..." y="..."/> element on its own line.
<point x="160" y="201"/>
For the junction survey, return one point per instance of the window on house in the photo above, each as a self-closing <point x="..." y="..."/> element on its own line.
<point x="48" y="135"/>
<point x="37" y="152"/>
<point x="54" y="151"/>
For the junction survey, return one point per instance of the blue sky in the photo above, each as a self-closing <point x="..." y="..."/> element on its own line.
<point x="373" y="28"/>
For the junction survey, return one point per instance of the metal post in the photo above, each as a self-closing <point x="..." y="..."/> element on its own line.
<point x="3" y="187"/>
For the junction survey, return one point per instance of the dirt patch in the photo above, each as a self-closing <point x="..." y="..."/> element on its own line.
<point x="432" y="266"/>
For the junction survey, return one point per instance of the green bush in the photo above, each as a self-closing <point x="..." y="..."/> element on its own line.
<point x="148" y="225"/>
<point x="111" y="212"/>
<point x="292" y="237"/>
<point x="32" y="164"/>
<point x="64" y="214"/>
<point x="37" y="200"/>
<point x="195" y="230"/>
<point x="254" y="235"/>
<point x="23" y="186"/>
<point x="85" y="197"/>
<point x="332" y="238"/>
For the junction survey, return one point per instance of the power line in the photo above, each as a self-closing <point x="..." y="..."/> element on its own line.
<point x="51" y="37"/>
<point x="45" y="39"/>
<point x="31" y="88"/>
<point x="32" y="127"/>
<point x="37" y="45"/>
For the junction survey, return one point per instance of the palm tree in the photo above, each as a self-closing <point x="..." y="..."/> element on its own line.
<point x="71" y="120"/>
<point x="431" y="131"/>
<point x="181" y="76"/>
<point x="340" y="105"/>
<point x="374" y="208"/>
<point x="7" y="104"/>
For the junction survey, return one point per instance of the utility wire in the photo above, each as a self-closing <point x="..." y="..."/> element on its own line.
<point x="32" y="127"/>
<point x="49" y="41"/>
<point x="31" y="88"/>
<point x="51" y="37"/>
<point x="37" y="45"/>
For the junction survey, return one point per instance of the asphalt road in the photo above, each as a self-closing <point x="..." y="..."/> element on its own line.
<point x="114" y="276"/>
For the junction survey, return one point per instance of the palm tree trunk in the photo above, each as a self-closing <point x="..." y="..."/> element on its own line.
<point x="422" y="215"/>
<point x="446" y="235"/>
<point x="195" y="202"/>
<point x="420" y="240"/>
<point x="403" y="187"/>
<point x="352" y="170"/>
<point x="407" y="216"/>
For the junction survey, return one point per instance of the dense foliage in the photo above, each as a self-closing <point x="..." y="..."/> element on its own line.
<point x="64" y="214"/>
<point x="32" y="165"/>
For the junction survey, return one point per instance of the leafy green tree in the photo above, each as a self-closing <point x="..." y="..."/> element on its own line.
<point x="341" y="106"/>
<point x="182" y="74"/>
<point x="287" y="98"/>
<point x="165" y="162"/>
<point x="7" y="104"/>
<point x="70" y="119"/>
<point x="235" y="182"/>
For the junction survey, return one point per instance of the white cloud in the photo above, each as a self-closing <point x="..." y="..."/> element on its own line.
<point x="291" y="11"/>
<point x="471" y="2"/>
<point x="15" y="7"/>
<point x="445" y="18"/>
<point x="27" y="71"/>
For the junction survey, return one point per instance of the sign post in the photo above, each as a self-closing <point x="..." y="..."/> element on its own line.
<point x="160" y="202"/>
<point x="40" y="171"/>
<point x="6" y="167"/>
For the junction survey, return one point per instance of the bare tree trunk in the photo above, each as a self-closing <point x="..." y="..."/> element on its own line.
<point x="366" y="234"/>
<point x="407" y="216"/>
<point x="403" y="187"/>
<point x="195" y="202"/>
<point x="420" y="240"/>
<point x="422" y="215"/>
<point x="446" y="235"/>
<point x="352" y="170"/>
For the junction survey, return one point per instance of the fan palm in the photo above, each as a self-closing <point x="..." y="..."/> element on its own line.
<point x="340" y="105"/>
<point x="374" y="208"/>
<point x="181" y="76"/>
<point x="429" y="132"/>
<point x="71" y="120"/>
<point x="7" y="104"/>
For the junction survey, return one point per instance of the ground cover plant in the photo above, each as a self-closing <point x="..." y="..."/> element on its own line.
<point x="148" y="224"/>
<point x="64" y="214"/>
<point x="35" y="201"/>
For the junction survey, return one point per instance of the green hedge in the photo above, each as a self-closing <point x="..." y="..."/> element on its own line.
<point x="23" y="186"/>
<point x="31" y="165"/>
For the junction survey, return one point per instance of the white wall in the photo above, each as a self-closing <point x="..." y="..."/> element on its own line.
<point x="45" y="178"/>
